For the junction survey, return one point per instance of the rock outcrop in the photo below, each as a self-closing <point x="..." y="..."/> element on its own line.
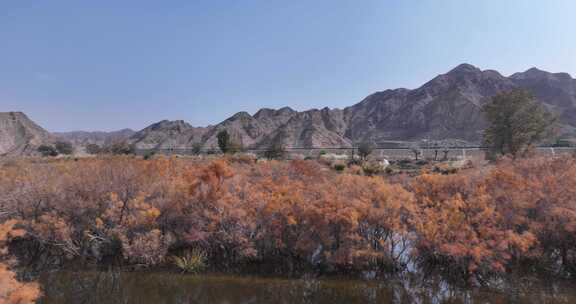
<point x="21" y="136"/>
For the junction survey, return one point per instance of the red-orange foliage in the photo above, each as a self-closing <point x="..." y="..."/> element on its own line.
<point x="459" y="225"/>
<point x="539" y="196"/>
<point x="297" y="213"/>
<point x="13" y="291"/>
<point x="347" y="220"/>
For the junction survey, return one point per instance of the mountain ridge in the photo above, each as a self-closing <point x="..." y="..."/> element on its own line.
<point x="447" y="106"/>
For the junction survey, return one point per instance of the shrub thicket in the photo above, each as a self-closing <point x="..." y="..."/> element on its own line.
<point x="12" y="290"/>
<point x="295" y="215"/>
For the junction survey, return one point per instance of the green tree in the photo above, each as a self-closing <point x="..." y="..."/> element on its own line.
<point x="224" y="141"/>
<point x="119" y="147"/>
<point x="227" y="144"/>
<point x="197" y="148"/>
<point x="516" y="122"/>
<point x="365" y="149"/>
<point x="64" y="147"/>
<point x="93" y="149"/>
<point x="46" y="150"/>
<point x="276" y="150"/>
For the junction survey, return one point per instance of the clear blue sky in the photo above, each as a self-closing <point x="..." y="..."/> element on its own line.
<point x="105" y="65"/>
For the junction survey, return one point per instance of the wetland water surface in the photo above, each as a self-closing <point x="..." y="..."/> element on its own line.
<point x="158" y="288"/>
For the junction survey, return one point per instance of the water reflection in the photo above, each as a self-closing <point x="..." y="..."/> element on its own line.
<point x="157" y="288"/>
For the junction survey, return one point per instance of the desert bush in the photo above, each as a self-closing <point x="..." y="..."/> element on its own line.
<point x="13" y="291"/>
<point x="297" y="215"/>
<point x="372" y="168"/>
<point x="537" y="196"/>
<point x="242" y="158"/>
<point x="235" y="213"/>
<point x="46" y="150"/>
<point x="191" y="261"/>
<point x="64" y="147"/>
<point x="339" y="167"/>
<point x="78" y="208"/>
<point x="460" y="229"/>
<point x="118" y="147"/>
<point x="332" y="220"/>
<point x="355" y="169"/>
<point x="149" y="154"/>
<point x="93" y="149"/>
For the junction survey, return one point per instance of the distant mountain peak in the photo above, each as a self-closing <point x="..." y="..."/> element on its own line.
<point x="286" y="110"/>
<point x="269" y="113"/>
<point x="176" y="125"/>
<point x="535" y="73"/>
<point x="241" y="115"/>
<point x="533" y="70"/>
<point x="530" y="73"/>
<point x="465" y="68"/>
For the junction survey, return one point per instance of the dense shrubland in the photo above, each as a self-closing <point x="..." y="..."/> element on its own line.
<point x="289" y="216"/>
<point x="13" y="291"/>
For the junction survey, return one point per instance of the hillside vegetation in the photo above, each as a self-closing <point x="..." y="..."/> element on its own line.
<point x="293" y="216"/>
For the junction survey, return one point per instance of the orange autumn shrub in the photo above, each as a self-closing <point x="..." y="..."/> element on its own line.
<point x="287" y="211"/>
<point x="13" y="291"/>
<point x="342" y="220"/>
<point x="84" y="208"/>
<point x="460" y="229"/>
<point x="538" y="195"/>
<point x="519" y="212"/>
<point x="294" y="214"/>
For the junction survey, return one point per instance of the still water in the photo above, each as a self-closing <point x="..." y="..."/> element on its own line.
<point x="158" y="288"/>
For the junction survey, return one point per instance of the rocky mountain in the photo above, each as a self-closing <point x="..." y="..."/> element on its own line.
<point x="21" y="136"/>
<point x="83" y="138"/>
<point x="167" y="135"/>
<point x="555" y="90"/>
<point x="448" y="106"/>
<point x="250" y="130"/>
<point x="313" y="128"/>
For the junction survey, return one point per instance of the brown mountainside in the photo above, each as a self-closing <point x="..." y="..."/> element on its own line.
<point x="447" y="106"/>
<point x="21" y="136"/>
